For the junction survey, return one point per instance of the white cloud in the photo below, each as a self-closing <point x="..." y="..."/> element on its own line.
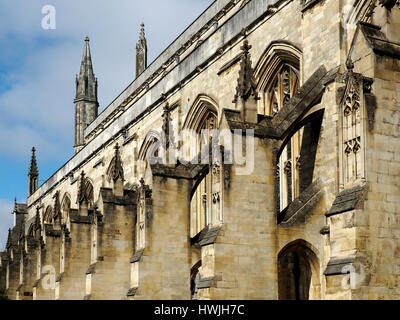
<point x="6" y="221"/>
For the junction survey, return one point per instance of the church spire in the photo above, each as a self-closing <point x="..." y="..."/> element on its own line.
<point x="86" y="102"/>
<point x="33" y="174"/>
<point x="141" y="52"/>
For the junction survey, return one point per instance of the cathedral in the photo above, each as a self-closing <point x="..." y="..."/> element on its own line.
<point x="257" y="158"/>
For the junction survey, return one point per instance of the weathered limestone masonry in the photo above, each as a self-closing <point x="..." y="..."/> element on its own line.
<point x="305" y="98"/>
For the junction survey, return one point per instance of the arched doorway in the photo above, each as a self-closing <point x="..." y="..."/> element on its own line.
<point x="298" y="275"/>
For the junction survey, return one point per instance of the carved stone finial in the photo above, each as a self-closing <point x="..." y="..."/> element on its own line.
<point x="246" y="85"/>
<point x="9" y="239"/>
<point x="166" y="127"/>
<point x="115" y="170"/>
<point x="33" y="174"/>
<point x="81" y="190"/>
<point x="57" y="205"/>
<point x="141" y="52"/>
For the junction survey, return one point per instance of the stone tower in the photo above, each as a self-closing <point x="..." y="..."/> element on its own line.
<point x="33" y="174"/>
<point x="86" y="103"/>
<point x="141" y="52"/>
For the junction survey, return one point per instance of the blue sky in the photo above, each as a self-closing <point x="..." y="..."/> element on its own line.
<point x="38" y="68"/>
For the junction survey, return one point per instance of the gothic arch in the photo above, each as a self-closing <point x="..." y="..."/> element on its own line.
<point x="65" y="207"/>
<point x="48" y="215"/>
<point x="277" y="75"/>
<point x="194" y="280"/>
<point x="201" y="108"/>
<point x="202" y="115"/>
<point x="89" y="191"/>
<point x="276" y="54"/>
<point x="151" y="138"/>
<point x="298" y="272"/>
<point x="149" y="148"/>
<point x="85" y="191"/>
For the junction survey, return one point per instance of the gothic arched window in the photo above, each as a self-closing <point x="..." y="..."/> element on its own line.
<point x="277" y="74"/>
<point x="280" y="90"/>
<point x="66" y="205"/>
<point x="295" y="167"/>
<point x="200" y="206"/>
<point x="48" y="216"/>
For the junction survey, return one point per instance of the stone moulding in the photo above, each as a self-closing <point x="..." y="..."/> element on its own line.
<point x="308" y="4"/>
<point x="339" y="266"/>
<point x="179" y="171"/>
<point x="91" y="269"/>
<point x="205" y="237"/>
<point x="36" y="283"/>
<point x="137" y="256"/>
<point x="59" y="277"/>
<point x="206" y="283"/>
<point x="76" y="218"/>
<point x="229" y="64"/>
<point x="107" y="196"/>
<point x="99" y="162"/>
<point x="348" y="200"/>
<point x="132" y="292"/>
<point x="378" y="41"/>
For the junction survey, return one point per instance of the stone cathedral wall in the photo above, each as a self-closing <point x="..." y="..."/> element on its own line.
<point x="342" y="226"/>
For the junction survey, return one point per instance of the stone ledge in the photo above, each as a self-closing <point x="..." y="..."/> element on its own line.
<point x="99" y="162"/>
<point x="36" y="283"/>
<point x="336" y="266"/>
<point x="347" y="200"/>
<point x="378" y="41"/>
<point x="59" y="277"/>
<point x="206" y="283"/>
<point x="229" y="64"/>
<point x="129" y="139"/>
<point x="205" y="237"/>
<point x="137" y="256"/>
<point x="76" y="218"/>
<point x="308" y="4"/>
<point x="108" y="196"/>
<point x="50" y="232"/>
<point x="91" y="269"/>
<point x="179" y="171"/>
<point x="132" y="292"/>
